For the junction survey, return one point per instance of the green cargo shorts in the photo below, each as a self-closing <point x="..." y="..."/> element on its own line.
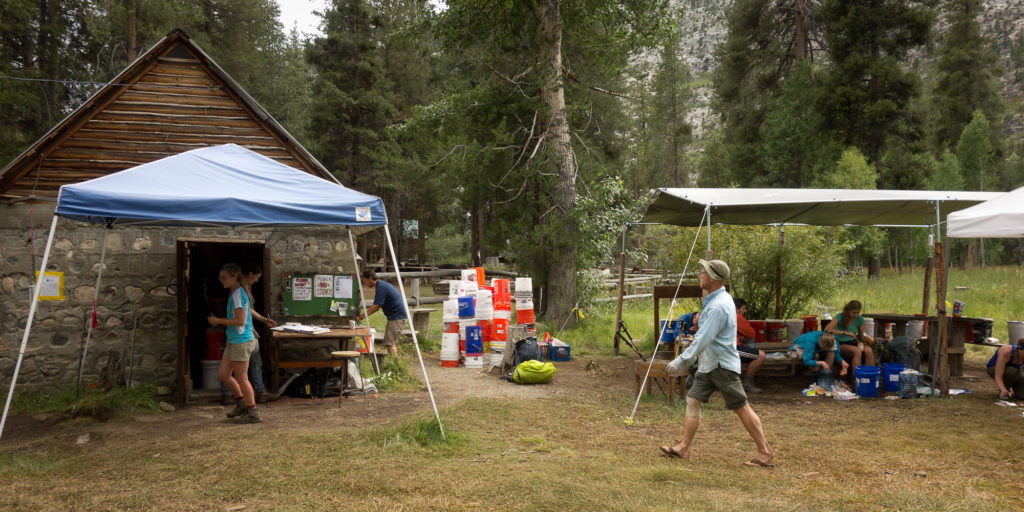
<point x="728" y="382"/>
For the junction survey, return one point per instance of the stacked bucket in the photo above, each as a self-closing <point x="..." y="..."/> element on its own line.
<point x="524" y="305"/>
<point x="502" y="301"/>
<point x="450" y="337"/>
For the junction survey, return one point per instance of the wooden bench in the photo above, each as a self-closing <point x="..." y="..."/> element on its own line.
<point x="780" y="367"/>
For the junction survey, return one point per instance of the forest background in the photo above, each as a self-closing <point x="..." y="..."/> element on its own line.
<point x="534" y="131"/>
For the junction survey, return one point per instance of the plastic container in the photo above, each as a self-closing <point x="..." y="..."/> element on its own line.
<point x="869" y="327"/>
<point x="794" y="328"/>
<point x="826" y="379"/>
<point x="469" y="274"/>
<point x="474" y="340"/>
<point x="210" y="379"/>
<point x="891" y="376"/>
<point x="776" y="330"/>
<point x="1016" y="331"/>
<point x="759" y="328"/>
<point x="504" y="314"/>
<point x="560" y="353"/>
<point x="810" y="323"/>
<point x="215" y="339"/>
<point x="915" y="329"/>
<point x="475" y="360"/>
<point x="669" y="332"/>
<point x="908" y="383"/>
<point x="466" y="307"/>
<point x="500" y="329"/>
<point x="867" y="380"/>
<point x="524" y="287"/>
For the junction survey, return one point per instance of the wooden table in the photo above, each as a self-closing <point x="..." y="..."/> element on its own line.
<point x="958" y="327"/>
<point x="344" y="336"/>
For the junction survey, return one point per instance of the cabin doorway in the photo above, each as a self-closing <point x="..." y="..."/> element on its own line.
<point x="200" y="294"/>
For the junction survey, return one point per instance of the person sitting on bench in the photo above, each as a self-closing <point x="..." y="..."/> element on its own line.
<point x="745" y="340"/>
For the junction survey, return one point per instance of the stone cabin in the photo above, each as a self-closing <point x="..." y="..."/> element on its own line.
<point x="159" y="282"/>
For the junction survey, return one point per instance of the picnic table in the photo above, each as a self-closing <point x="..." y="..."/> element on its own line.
<point x="959" y="333"/>
<point x="344" y="337"/>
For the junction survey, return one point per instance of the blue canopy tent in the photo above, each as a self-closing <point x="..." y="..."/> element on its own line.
<point x="224" y="185"/>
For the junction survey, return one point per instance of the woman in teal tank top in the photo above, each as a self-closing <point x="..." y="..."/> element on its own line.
<point x="848" y="329"/>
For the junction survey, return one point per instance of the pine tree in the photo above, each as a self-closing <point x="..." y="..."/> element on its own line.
<point x="966" y="69"/>
<point x="974" y="154"/>
<point x="866" y="90"/>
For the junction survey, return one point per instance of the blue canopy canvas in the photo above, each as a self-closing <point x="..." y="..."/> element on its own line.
<point x="218" y="185"/>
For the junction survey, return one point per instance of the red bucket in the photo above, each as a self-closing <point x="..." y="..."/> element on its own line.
<point x="486" y="331"/>
<point x="524" y="316"/>
<point x="451" y="327"/>
<point x="449" y="364"/>
<point x="810" y="323"/>
<point x="500" y="332"/>
<point x="759" y="328"/>
<point x="215" y="339"/>
<point x="776" y="330"/>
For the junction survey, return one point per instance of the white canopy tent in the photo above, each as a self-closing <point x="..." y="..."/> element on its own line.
<point x="1001" y="217"/>
<point x="213" y="187"/>
<point x="817" y="207"/>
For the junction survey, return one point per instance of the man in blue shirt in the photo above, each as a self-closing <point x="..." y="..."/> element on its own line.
<point x="386" y="297"/>
<point x="719" y="367"/>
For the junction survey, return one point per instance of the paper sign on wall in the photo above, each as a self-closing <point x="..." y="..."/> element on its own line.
<point x="322" y="286"/>
<point x="302" y="289"/>
<point x="342" y="287"/>
<point x="52" y="286"/>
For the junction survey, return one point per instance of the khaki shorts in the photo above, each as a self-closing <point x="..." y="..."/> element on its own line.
<point x="239" y="352"/>
<point x="393" y="332"/>
<point x="728" y="382"/>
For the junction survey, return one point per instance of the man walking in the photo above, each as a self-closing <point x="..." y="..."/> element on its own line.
<point x="719" y="367"/>
<point x="386" y="297"/>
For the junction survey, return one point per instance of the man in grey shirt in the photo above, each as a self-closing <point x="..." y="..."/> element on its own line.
<point x="719" y="367"/>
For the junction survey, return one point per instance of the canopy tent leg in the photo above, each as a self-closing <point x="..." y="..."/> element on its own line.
<point x="707" y="213"/>
<point x="415" y="341"/>
<point x="778" y="274"/>
<point x="92" y="318"/>
<point x="28" y="323"/>
<point x="362" y="299"/>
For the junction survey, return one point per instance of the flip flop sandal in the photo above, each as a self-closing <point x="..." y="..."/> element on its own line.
<point x="669" y="452"/>
<point x="754" y="463"/>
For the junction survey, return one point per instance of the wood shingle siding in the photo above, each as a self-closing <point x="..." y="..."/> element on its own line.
<point x="172" y="99"/>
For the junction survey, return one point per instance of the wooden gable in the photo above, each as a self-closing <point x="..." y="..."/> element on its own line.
<point x="172" y="99"/>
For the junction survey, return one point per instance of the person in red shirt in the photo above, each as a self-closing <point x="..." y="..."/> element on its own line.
<point x="749" y="354"/>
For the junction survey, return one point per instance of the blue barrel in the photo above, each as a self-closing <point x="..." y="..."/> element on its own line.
<point x="867" y="380"/>
<point x="466" y="307"/>
<point x="670" y="332"/>
<point x="891" y="376"/>
<point x="474" y="340"/>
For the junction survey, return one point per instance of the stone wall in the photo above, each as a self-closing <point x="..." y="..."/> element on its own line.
<point x="140" y="281"/>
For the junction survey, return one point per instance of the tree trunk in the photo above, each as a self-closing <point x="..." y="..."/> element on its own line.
<point x="874" y="267"/>
<point x="474" y="236"/>
<point x="132" y="43"/>
<point x="561" y="290"/>
<point x="800" y="31"/>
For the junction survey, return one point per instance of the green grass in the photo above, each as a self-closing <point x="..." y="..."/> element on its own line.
<point x="117" y="402"/>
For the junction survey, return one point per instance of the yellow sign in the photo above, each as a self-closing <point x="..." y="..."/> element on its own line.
<point x="52" y="286"/>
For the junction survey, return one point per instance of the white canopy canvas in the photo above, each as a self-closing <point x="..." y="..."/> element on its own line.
<point x="817" y="207"/>
<point x="1002" y="217"/>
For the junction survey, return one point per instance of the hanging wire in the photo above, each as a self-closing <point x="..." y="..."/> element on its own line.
<point x="671" y="308"/>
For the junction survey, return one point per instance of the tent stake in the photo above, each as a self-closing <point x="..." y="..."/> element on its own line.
<point x="28" y="323"/>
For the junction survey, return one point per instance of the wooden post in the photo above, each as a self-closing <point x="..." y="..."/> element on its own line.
<point x="778" y="276"/>
<point x="943" y="352"/>
<point x="618" y="314"/>
<point x="927" y="283"/>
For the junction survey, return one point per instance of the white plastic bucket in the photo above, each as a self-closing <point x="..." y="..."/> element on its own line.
<point x="523" y="303"/>
<point x="210" y="379"/>
<point x="794" y="328"/>
<point x="869" y="327"/>
<point x="469" y="274"/>
<point x="504" y="314"/>
<point x="475" y="361"/>
<point x="451" y="308"/>
<point x="915" y="329"/>
<point x="467" y="288"/>
<point x="450" y="343"/>
<point x="1016" y="330"/>
<point x="454" y="288"/>
<point x="524" y="287"/>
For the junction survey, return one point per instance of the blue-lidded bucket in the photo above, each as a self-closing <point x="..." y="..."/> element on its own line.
<point x="671" y="332"/>
<point x="867" y="380"/>
<point x="891" y="376"/>
<point x="466" y="307"/>
<point x="474" y="340"/>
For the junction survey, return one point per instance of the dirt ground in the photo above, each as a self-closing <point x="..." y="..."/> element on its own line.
<point x="584" y="378"/>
